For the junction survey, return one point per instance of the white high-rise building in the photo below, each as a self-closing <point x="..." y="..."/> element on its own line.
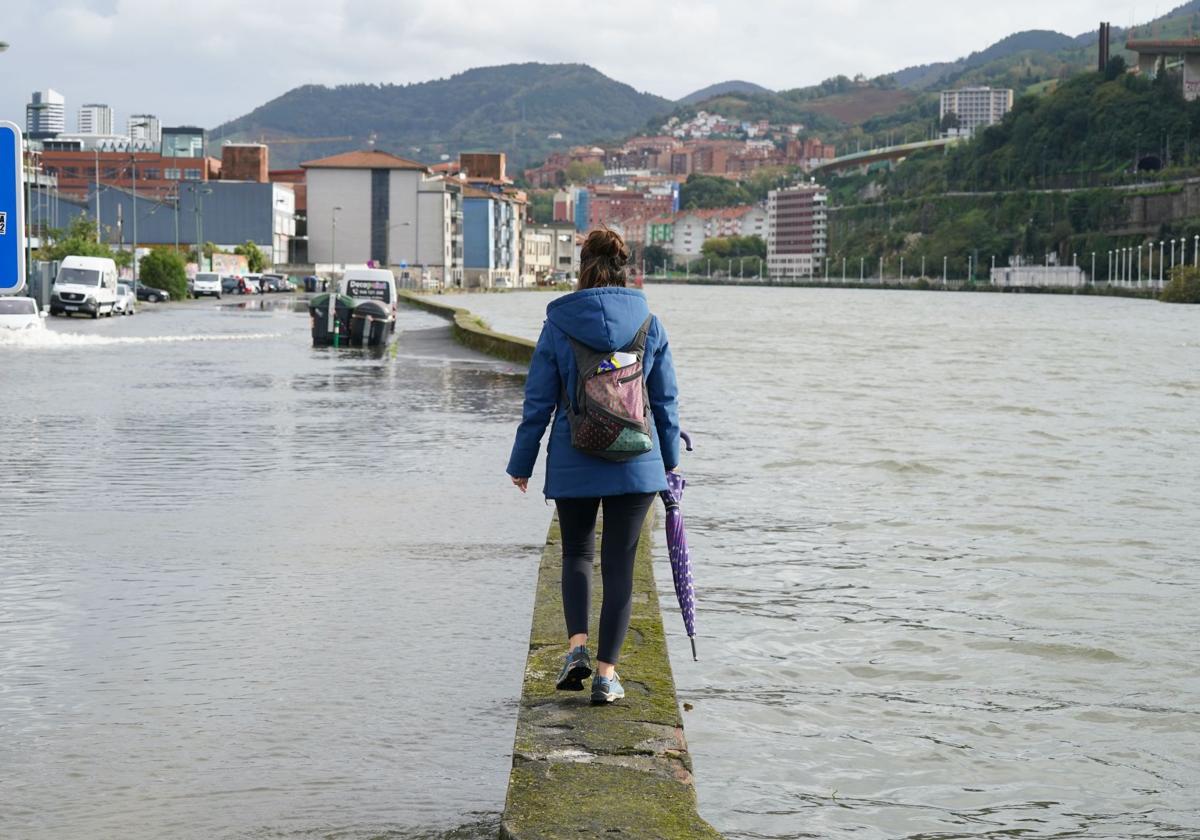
<point x="976" y="106"/>
<point x="145" y="127"/>
<point x="45" y="115"/>
<point x="95" y="119"/>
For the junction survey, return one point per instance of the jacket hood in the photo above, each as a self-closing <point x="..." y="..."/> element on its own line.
<point x="604" y="319"/>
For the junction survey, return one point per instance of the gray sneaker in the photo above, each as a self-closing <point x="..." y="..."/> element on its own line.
<point x="576" y="669"/>
<point x="606" y="690"/>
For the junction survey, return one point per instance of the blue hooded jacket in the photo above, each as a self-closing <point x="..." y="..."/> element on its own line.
<point x="605" y="319"/>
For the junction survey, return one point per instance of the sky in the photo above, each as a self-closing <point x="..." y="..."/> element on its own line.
<point x="207" y="62"/>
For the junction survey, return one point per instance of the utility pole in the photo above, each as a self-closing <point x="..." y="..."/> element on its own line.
<point x="945" y="266"/>
<point x="133" y="163"/>
<point x="97" y="150"/>
<point x="1092" y="276"/>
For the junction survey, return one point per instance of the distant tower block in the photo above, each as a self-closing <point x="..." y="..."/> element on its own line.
<point x="1153" y="56"/>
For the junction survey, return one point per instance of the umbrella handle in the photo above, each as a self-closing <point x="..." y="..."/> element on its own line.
<point x="692" y="639"/>
<point x="687" y="439"/>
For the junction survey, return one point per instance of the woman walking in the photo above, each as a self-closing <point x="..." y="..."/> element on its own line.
<point x="600" y="359"/>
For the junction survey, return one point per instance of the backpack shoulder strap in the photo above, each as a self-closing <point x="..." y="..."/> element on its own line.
<point x="638" y="344"/>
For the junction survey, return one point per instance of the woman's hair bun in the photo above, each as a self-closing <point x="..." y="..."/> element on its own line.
<point x="608" y="244"/>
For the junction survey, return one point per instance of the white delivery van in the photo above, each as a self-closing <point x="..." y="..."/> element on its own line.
<point x="206" y="283"/>
<point x="371" y="284"/>
<point x="85" y="284"/>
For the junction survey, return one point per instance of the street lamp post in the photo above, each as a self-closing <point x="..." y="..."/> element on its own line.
<point x="945" y="265"/>
<point x="862" y="265"/>
<point x="1092" y="276"/>
<point x="333" y="290"/>
<point x="1139" y="262"/>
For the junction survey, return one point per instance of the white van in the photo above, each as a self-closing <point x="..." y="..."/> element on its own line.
<point x="85" y="284"/>
<point x="206" y="283"/>
<point x="371" y="284"/>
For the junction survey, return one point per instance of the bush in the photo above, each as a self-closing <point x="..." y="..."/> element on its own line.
<point x="1183" y="288"/>
<point x="164" y="269"/>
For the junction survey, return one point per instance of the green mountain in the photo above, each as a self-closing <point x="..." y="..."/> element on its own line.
<point x="524" y="110"/>
<point x="722" y="88"/>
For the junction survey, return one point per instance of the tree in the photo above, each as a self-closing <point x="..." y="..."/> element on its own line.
<point x="256" y="260"/>
<point x="702" y="192"/>
<point x="77" y="240"/>
<point x="582" y="172"/>
<point x="656" y="257"/>
<point x="1184" y="286"/>
<point x="163" y="268"/>
<point x="949" y="121"/>
<point x="734" y="247"/>
<point x="541" y="206"/>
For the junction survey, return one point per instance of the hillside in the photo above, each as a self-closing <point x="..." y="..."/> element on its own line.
<point x="722" y="88"/>
<point x="511" y="108"/>
<point x="925" y="76"/>
<point x="1079" y="142"/>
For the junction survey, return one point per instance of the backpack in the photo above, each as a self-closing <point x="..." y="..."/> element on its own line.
<point x="608" y="415"/>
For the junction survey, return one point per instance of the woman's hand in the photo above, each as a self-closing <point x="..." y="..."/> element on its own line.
<point x="521" y="483"/>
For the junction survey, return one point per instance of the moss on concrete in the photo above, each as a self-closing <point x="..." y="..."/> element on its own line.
<point x="580" y="770"/>
<point x="471" y="331"/>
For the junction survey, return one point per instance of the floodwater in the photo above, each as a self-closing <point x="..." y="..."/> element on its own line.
<point x="249" y="589"/>
<point x="946" y="552"/>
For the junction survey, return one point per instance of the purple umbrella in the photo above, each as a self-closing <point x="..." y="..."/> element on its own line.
<point x="681" y="561"/>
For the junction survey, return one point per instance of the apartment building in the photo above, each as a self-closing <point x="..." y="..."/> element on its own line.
<point x="976" y="107"/>
<point x="144" y="127"/>
<point x="94" y="118"/>
<point x="45" y="115"/>
<point x="797" y="231"/>
<point x="690" y="229"/>
<point x="491" y="238"/>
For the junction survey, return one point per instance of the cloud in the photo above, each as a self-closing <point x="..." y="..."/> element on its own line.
<point x="209" y="63"/>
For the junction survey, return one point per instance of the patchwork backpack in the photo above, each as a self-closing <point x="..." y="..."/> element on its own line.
<point x="608" y="414"/>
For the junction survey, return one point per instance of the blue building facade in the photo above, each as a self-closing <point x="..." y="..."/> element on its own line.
<point x="226" y="213"/>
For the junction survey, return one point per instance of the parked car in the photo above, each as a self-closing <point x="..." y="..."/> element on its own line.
<point x="206" y="283"/>
<point x="255" y="281"/>
<point x="152" y="294"/>
<point x="126" y="302"/>
<point x="247" y="285"/>
<point x="230" y="284"/>
<point x="278" y="283"/>
<point x="20" y="313"/>
<point x="85" y="284"/>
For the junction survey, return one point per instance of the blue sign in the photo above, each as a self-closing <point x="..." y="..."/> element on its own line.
<point x="12" y="211"/>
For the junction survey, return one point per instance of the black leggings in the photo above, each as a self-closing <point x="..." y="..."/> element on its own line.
<point x="623" y="518"/>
